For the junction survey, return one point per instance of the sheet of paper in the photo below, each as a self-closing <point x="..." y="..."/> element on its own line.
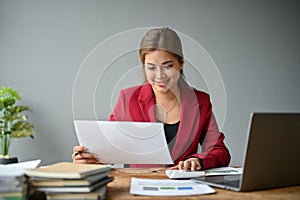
<point x="124" y="142"/>
<point x="17" y="169"/>
<point x="155" y="187"/>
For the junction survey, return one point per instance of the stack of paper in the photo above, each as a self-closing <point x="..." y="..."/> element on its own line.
<point x="13" y="182"/>
<point x="13" y="187"/>
<point x="66" y="180"/>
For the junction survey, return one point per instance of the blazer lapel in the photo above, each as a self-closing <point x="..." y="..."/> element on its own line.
<point x="147" y="103"/>
<point x="189" y="121"/>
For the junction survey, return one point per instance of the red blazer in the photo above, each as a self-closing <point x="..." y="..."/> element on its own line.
<point x="197" y="124"/>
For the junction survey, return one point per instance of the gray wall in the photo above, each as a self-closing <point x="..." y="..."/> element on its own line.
<point x="43" y="44"/>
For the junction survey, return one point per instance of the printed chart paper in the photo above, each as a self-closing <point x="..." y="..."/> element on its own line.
<point x="157" y="187"/>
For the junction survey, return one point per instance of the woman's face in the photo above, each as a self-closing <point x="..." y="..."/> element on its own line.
<point x="162" y="70"/>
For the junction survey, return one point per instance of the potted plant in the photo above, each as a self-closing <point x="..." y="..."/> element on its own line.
<point x="13" y="124"/>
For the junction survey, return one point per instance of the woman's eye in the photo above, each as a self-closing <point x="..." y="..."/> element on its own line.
<point x="149" y="67"/>
<point x="168" y="66"/>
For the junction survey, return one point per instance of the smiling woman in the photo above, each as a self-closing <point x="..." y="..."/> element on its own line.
<point x="166" y="97"/>
<point x="162" y="71"/>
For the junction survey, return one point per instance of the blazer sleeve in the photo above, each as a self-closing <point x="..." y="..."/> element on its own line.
<point x="119" y="110"/>
<point x="214" y="152"/>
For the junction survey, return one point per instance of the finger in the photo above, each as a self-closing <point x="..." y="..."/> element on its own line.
<point x="86" y="155"/>
<point x="195" y="165"/>
<point x="198" y="165"/>
<point x="180" y="165"/>
<point x="92" y="161"/>
<point x="174" y="167"/>
<point x="86" y="161"/>
<point x="77" y="148"/>
<point x="86" y="158"/>
<point x="186" y="165"/>
<point x="80" y="156"/>
<point x="80" y="161"/>
<point x="80" y="148"/>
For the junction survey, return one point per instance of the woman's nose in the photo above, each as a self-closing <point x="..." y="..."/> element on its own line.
<point x="160" y="72"/>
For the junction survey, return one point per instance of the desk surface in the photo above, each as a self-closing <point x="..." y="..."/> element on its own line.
<point x="119" y="188"/>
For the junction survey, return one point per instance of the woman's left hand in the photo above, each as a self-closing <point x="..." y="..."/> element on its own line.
<point x="192" y="163"/>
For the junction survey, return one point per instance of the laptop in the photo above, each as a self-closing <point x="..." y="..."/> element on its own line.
<point x="271" y="158"/>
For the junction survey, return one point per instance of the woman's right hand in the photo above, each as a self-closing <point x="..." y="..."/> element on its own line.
<point x="82" y="156"/>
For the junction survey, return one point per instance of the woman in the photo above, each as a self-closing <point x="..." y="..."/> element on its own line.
<point x="166" y="97"/>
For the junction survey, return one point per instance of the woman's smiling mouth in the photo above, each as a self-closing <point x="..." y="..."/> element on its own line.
<point x="161" y="83"/>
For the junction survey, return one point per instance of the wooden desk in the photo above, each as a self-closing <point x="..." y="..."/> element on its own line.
<point x="119" y="188"/>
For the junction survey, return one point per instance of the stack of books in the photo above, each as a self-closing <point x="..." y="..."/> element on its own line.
<point x="13" y="187"/>
<point x="65" y="180"/>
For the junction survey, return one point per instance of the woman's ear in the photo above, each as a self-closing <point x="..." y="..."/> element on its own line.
<point x="181" y="62"/>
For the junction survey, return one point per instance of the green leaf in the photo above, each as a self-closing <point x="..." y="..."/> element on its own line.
<point x="22" y="133"/>
<point x="21" y="129"/>
<point x="21" y="125"/>
<point x="14" y="117"/>
<point x="1" y="105"/>
<point x="17" y="109"/>
<point x="9" y="101"/>
<point x="9" y="92"/>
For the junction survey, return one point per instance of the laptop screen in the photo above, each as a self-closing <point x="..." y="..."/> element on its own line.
<point x="271" y="156"/>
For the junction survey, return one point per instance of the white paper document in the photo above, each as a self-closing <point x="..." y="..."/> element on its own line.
<point x="156" y="187"/>
<point x="17" y="169"/>
<point x="124" y="142"/>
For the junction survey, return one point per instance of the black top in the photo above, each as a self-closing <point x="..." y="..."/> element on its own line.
<point x="171" y="131"/>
